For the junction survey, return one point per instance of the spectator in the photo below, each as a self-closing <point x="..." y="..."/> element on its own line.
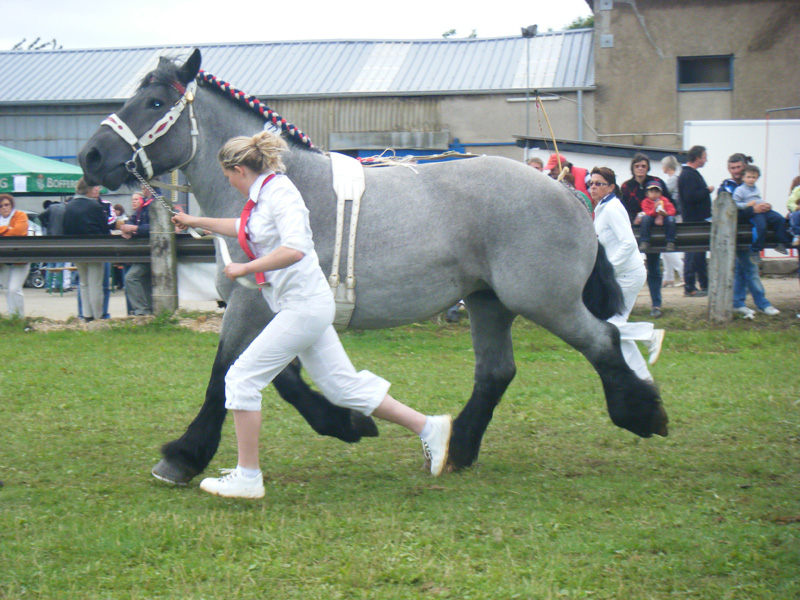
<point x="13" y="223"/>
<point x="614" y="232"/>
<point x="695" y="199"/>
<point x="138" y="286"/>
<point x="557" y="162"/>
<point x="536" y="162"/>
<point x="745" y="271"/>
<point x="658" y="211"/>
<point x="672" y="261"/>
<point x="793" y="204"/>
<point x="107" y="282"/>
<point x="85" y="215"/>
<point x="569" y="181"/>
<point x="52" y="219"/>
<point x="747" y="195"/>
<point x="633" y="193"/>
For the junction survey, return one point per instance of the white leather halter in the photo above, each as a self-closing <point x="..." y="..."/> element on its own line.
<point x="161" y="127"/>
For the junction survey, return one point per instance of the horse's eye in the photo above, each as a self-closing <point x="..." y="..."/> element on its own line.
<point x="156" y="103"/>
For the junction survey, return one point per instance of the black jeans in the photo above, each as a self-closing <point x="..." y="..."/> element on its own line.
<point x="694" y="266"/>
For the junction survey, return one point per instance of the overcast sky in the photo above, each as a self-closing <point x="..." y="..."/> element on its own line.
<point x="112" y="23"/>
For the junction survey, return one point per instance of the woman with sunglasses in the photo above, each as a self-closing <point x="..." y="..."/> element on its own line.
<point x="13" y="222"/>
<point x="613" y="228"/>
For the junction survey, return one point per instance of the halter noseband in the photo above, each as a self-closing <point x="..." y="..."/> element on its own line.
<point x="161" y="127"/>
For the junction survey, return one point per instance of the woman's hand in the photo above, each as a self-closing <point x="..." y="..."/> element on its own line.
<point x="182" y="220"/>
<point x="234" y="270"/>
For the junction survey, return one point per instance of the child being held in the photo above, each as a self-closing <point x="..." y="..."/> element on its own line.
<point x="748" y="196"/>
<point x="658" y="211"/>
<point x="793" y="204"/>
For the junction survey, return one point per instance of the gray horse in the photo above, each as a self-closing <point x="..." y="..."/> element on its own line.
<point x="492" y="231"/>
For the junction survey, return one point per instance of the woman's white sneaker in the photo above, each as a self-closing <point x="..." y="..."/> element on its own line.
<point x="654" y="346"/>
<point x="770" y="311"/>
<point x="234" y="484"/>
<point x="436" y="444"/>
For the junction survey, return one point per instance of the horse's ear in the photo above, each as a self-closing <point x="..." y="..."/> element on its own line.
<point x="190" y="68"/>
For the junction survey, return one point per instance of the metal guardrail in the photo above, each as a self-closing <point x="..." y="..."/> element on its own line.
<point x="98" y="248"/>
<point x="696" y="237"/>
<point x="690" y="237"/>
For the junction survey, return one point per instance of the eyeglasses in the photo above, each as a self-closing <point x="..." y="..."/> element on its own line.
<point x="597" y="183"/>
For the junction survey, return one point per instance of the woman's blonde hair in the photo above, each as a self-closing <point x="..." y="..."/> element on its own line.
<point x="259" y="153"/>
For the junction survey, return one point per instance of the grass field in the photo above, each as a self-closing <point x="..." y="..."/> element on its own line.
<point x="561" y="505"/>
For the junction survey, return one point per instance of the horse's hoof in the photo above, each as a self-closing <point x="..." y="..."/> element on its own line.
<point x="172" y="474"/>
<point x="660" y="420"/>
<point x="364" y="426"/>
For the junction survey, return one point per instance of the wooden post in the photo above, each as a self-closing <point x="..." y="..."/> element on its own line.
<point x="724" y="218"/>
<point x="163" y="260"/>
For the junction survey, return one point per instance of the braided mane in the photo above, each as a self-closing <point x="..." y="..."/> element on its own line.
<point x="205" y="78"/>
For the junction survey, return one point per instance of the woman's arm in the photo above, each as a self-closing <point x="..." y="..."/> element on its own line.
<point x="17" y="227"/>
<point x="280" y="258"/>
<point x="221" y="226"/>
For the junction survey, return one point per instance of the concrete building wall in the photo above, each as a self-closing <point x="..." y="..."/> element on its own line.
<point x="636" y="71"/>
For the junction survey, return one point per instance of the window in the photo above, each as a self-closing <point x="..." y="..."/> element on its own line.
<point x="705" y="73"/>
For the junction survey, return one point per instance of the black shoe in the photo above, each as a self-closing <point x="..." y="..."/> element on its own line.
<point x="655" y="312"/>
<point x="781" y="249"/>
<point x="696" y="293"/>
<point x="670" y="247"/>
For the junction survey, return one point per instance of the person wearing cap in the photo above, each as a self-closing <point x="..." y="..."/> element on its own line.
<point x="632" y="194"/>
<point x="658" y="211"/>
<point x="557" y="162"/>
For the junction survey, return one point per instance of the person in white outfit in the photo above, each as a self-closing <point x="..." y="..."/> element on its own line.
<point x="613" y="228"/>
<point x="274" y="232"/>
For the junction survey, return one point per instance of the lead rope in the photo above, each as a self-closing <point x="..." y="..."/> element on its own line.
<point x="220" y="242"/>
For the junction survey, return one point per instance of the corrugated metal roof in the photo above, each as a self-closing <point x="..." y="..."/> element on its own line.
<point x="558" y="60"/>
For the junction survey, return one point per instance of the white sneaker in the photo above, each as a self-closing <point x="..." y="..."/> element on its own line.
<point x="654" y="345"/>
<point x="744" y="312"/>
<point x="770" y="310"/>
<point x="233" y="484"/>
<point x="437" y="445"/>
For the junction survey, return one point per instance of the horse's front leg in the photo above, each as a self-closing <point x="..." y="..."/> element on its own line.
<point x="189" y="455"/>
<point x="490" y="323"/>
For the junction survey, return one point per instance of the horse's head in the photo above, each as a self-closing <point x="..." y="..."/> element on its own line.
<point x="147" y="130"/>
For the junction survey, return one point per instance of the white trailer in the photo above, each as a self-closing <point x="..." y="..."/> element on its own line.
<point x="774" y="145"/>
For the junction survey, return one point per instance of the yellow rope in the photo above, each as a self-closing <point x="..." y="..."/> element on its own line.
<point x="563" y="170"/>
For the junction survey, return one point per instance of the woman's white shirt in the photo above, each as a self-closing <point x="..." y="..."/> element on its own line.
<point x="613" y="228"/>
<point x="280" y="218"/>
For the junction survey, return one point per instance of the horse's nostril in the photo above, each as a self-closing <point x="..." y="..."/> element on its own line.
<point x="93" y="158"/>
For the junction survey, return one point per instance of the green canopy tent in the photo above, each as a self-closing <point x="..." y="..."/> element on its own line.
<point x="23" y="173"/>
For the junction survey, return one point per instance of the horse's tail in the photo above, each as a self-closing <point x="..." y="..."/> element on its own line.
<point x="602" y="294"/>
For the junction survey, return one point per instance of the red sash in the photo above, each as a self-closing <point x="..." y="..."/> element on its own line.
<point x="243" y="237"/>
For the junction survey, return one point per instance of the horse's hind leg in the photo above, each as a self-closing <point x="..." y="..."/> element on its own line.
<point x="633" y="403"/>
<point x="490" y="323"/>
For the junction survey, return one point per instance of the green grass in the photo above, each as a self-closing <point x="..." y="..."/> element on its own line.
<point x="561" y="504"/>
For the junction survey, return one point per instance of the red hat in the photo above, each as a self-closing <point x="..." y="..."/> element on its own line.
<point x="552" y="162"/>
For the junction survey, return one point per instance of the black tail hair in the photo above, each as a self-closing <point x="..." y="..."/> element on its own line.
<point x="602" y="294"/>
